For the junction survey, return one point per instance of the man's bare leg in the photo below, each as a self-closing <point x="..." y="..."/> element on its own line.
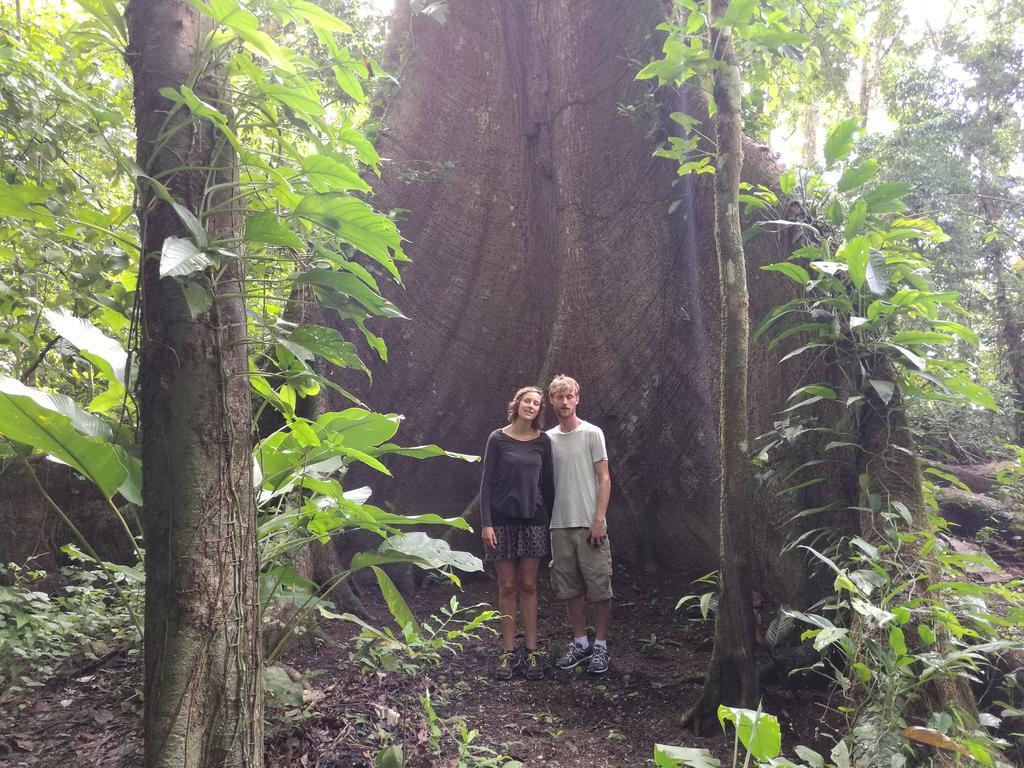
<point x="602" y="616"/>
<point x="577" y="610"/>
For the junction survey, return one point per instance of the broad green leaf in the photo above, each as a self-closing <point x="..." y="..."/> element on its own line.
<point x="921" y="337"/>
<point x="926" y="633"/>
<point x="268" y="229"/>
<point x="840" y="141"/>
<point x="434" y="552"/>
<point x="738" y="14"/>
<point x="395" y="602"/>
<point x="913" y="358"/>
<point x="881" y="198"/>
<point x="668" y="756"/>
<point x="829" y="267"/>
<point x="962" y="331"/>
<point x="420" y="452"/>
<point x="829" y="636"/>
<point x="858" y="175"/>
<point x="390" y="757"/>
<point x="809" y="756"/>
<point x="90" y="339"/>
<point x="180" y="257"/>
<point x="758" y="732"/>
<point x="855" y="253"/>
<point x="819" y="390"/>
<point x="328" y="174"/>
<point x="801" y="350"/>
<point x="359" y="428"/>
<point x="793" y="271"/>
<point x="877" y="272"/>
<point x="349" y="83"/>
<point x="308" y="340"/>
<point x="53" y="424"/>
<point x="884" y="389"/>
<point x="856" y="218"/>
<point x="348" y="284"/>
<point x="24" y="201"/>
<point x="357" y="224"/>
<point x="897" y="641"/>
<point x="318" y="18"/>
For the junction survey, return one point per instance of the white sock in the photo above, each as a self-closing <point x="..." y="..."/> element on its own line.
<point x="601" y="644"/>
<point x="583" y="642"/>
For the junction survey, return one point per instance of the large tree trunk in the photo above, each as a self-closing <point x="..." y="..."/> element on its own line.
<point x="202" y="693"/>
<point x="732" y="675"/>
<point x="542" y="242"/>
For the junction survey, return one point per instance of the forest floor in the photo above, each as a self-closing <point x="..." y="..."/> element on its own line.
<point x="92" y="717"/>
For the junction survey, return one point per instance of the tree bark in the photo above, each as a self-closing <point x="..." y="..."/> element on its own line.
<point x="732" y="672"/>
<point x="542" y="242"/>
<point x="203" y="699"/>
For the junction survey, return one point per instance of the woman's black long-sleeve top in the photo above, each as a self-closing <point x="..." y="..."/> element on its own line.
<point x="518" y="485"/>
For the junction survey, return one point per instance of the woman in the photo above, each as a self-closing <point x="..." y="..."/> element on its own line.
<point x="516" y="495"/>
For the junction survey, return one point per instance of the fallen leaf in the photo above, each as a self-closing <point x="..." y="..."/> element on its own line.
<point x="933" y="738"/>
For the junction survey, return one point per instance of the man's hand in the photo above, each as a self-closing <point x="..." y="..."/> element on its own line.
<point x="489" y="537"/>
<point x="598" y="533"/>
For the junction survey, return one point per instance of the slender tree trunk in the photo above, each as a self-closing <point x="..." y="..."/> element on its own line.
<point x="731" y="677"/>
<point x="1011" y="333"/>
<point x="809" y="126"/>
<point x="203" y="700"/>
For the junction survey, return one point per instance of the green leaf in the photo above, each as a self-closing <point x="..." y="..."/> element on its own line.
<point x="360" y="429"/>
<point x="180" y="257"/>
<point x="884" y="389"/>
<point x="24" y="201"/>
<point x="53" y="424"/>
<point x="879" y="199"/>
<point x="738" y="14"/>
<point x="395" y="602"/>
<point x="435" y="553"/>
<point x="809" y="756"/>
<point x="913" y="358"/>
<point x="328" y="174"/>
<point x="818" y="390"/>
<point x="801" y="350"/>
<point x="840" y="141"/>
<point x="356" y="223"/>
<point x="877" y="273"/>
<point x="349" y="83"/>
<point x="668" y="756"/>
<point x="962" y="331"/>
<point x="391" y="757"/>
<point x="856" y="218"/>
<point x="89" y="339"/>
<point x="855" y="253"/>
<point x="308" y="340"/>
<point x="857" y="176"/>
<point x="420" y="452"/>
<point x="793" y="271"/>
<point x="318" y="18"/>
<point x="268" y="229"/>
<point x="897" y="641"/>
<point x="757" y="731"/>
<point x="349" y="285"/>
<point x="926" y="633"/>
<point x="921" y="337"/>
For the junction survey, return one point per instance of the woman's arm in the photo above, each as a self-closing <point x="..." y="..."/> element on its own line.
<point x="490" y="462"/>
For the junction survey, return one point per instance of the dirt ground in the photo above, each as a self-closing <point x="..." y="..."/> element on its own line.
<point x="92" y="717"/>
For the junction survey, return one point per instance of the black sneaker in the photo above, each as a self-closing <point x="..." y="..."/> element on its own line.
<point x="574" y="654"/>
<point x="534" y="665"/>
<point x="599" y="660"/>
<point x="508" y="663"/>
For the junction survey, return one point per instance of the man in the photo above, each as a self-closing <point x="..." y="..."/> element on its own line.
<point x="581" y="560"/>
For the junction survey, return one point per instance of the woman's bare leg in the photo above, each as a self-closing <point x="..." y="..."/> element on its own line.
<point x="508" y="590"/>
<point x="528" y="567"/>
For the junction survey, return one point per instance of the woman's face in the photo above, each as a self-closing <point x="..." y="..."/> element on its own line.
<point x="529" y="406"/>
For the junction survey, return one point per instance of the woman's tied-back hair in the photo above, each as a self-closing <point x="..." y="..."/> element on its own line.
<point x="513" y="406"/>
<point x="561" y="383"/>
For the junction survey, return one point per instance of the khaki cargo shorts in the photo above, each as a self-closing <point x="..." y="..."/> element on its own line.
<point x="578" y="568"/>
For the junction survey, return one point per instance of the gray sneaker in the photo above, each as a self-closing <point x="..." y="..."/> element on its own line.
<point x="599" y="660"/>
<point x="575" y="654"/>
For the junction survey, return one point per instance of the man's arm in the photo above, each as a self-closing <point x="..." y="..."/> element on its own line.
<point x="599" y="529"/>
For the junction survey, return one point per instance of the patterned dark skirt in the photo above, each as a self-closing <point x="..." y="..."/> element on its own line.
<point x="518" y="541"/>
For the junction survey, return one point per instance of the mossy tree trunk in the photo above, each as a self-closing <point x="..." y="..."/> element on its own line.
<point x="203" y="700"/>
<point x="732" y="676"/>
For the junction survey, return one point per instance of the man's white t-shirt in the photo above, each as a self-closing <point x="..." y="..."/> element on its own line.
<point x="574" y="455"/>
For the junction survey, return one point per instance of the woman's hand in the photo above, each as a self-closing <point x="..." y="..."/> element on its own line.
<point x="489" y="537"/>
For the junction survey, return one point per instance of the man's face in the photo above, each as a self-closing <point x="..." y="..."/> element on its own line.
<point x="565" y="402"/>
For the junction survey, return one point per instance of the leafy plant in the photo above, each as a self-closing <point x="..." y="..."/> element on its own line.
<point x="417" y="645"/>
